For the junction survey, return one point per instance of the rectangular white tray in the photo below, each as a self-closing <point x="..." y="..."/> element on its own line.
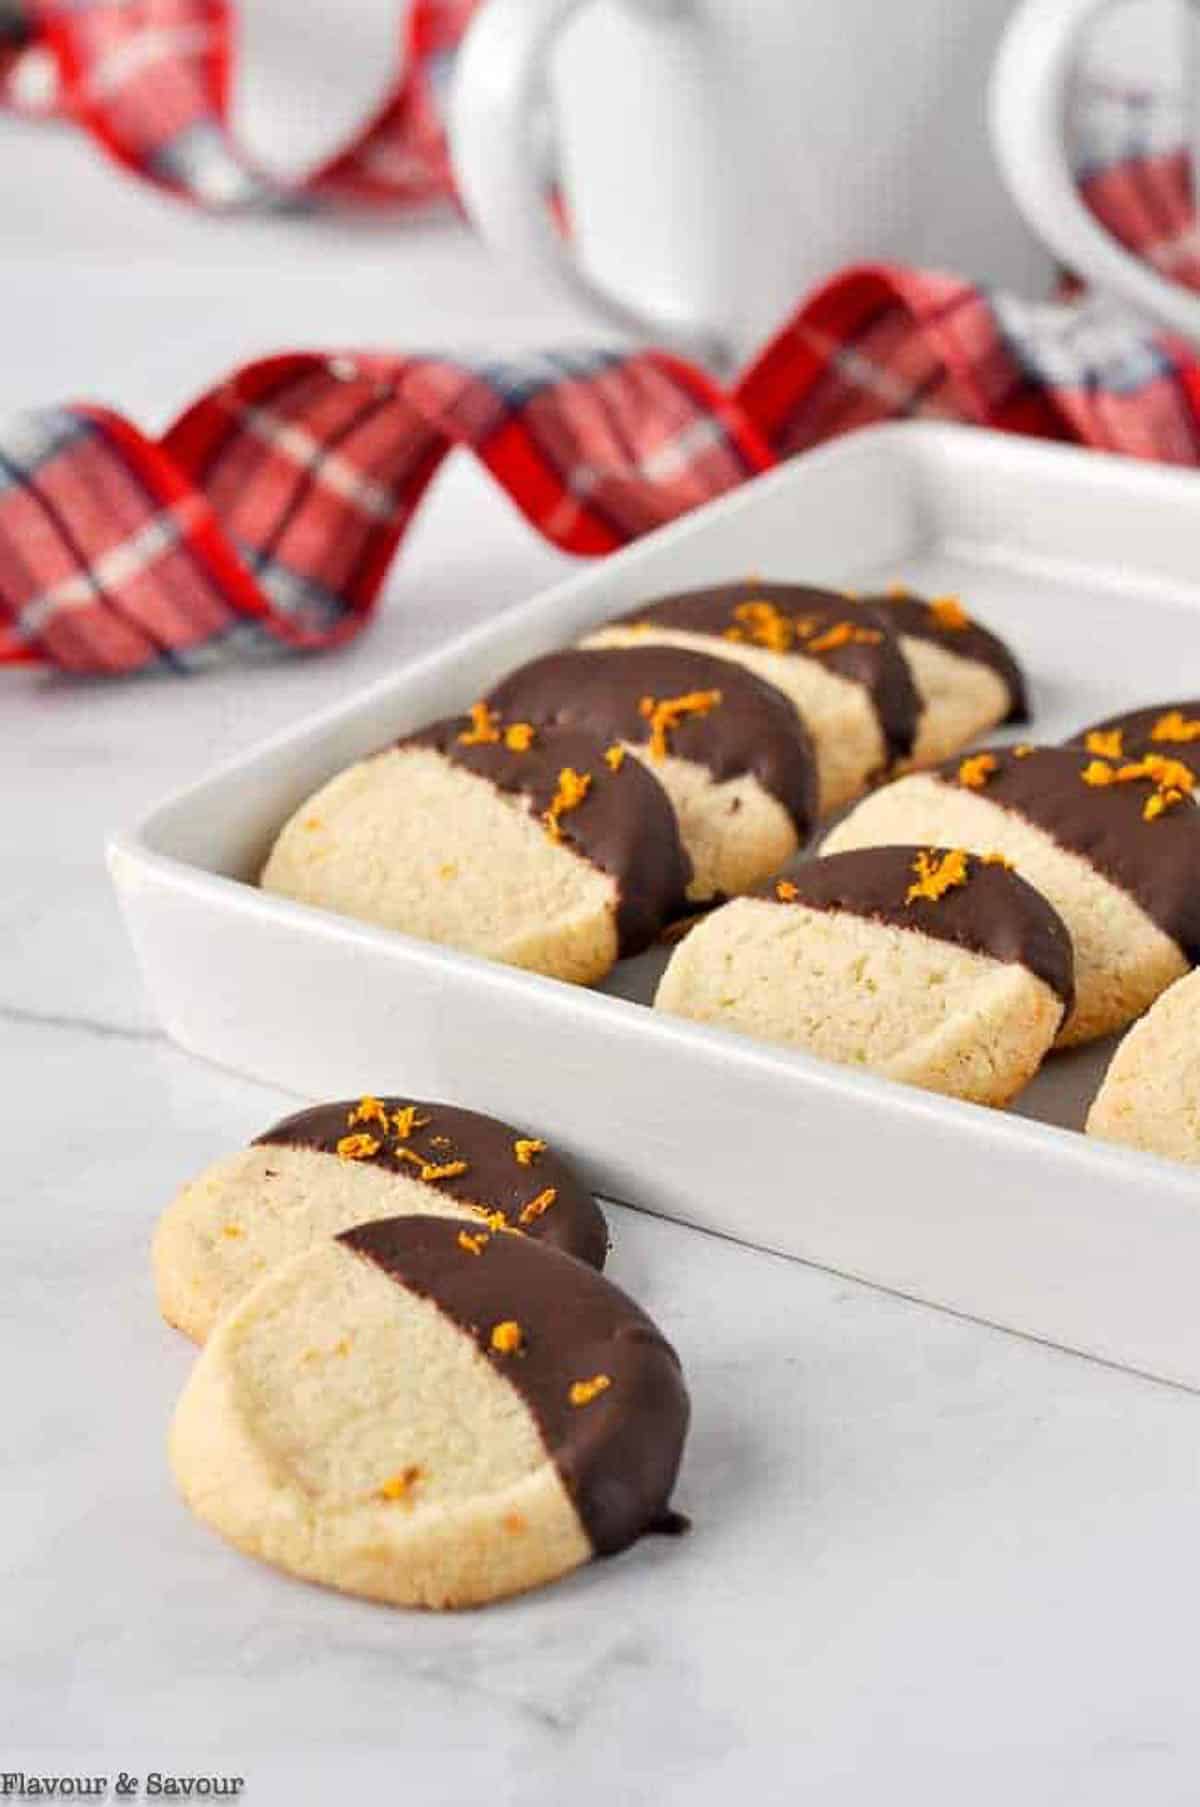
<point x="1092" y="566"/>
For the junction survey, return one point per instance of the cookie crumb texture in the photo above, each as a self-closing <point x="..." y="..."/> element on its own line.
<point x="1121" y="869"/>
<point x="298" y="1184"/>
<point x="351" y="1421"/>
<point x="921" y="965"/>
<point x="536" y="854"/>
<point x="1150" y="1096"/>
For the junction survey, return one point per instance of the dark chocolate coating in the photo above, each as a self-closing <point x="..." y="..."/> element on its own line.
<point x="494" y="1180"/>
<point x="1136" y="726"/>
<point x="913" y="616"/>
<point x="625" y="825"/>
<point x="880" y="667"/>
<point x="619" y="1454"/>
<point x="994" y="913"/>
<point x="753" y="729"/>
<point x="1156" y="863"/>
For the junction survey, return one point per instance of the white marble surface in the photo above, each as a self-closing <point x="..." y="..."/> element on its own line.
<point x="930" y="1562"/>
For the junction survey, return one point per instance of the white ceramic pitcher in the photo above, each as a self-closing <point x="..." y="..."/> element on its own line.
<point x="1029" y="103"/>
<point x="719" y="157"/>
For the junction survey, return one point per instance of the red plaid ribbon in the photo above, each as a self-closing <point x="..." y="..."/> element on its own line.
<point x="267" y="516"/>
<point x="149" y="79"/>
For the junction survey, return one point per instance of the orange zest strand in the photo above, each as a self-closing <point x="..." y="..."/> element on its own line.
<point x="485" y="727"/>
<point x="573" y="787"/>
<point x="666" y="713"/>
<point x="936" y="874"/>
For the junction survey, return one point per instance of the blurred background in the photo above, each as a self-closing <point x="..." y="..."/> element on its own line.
<point x="113" y="289"/>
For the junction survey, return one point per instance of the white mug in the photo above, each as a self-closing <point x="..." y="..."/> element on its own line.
<point x="1029" y="103"/>
<point x="719" y="157"/>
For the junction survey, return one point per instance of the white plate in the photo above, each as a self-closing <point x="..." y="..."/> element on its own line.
<point x="1090" y="566"/>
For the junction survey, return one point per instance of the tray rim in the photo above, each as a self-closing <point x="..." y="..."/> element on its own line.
<point x="134" y="858"/>
<point x="912" y="439"/>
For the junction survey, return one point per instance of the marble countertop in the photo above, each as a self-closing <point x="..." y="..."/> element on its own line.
<point x="930" y="1561"/>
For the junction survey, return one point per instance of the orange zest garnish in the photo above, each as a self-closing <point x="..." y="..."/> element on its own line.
<point x="495" y="1220"/>
<point x="519" y="737"/>
<point x="507" y="1338"/>
<point x="406" y="1119"/>
<point x="536" y="1206"/>
<point x="1107" y="742"/>
<point x="614" y="756"/>
<point x="949" y="613"/>
<point x="666" y="713"/>
<point x="399" y="1486"/>
<point x="761" y="622"/>
<point x="429" y="1170"/>
<point x="582" y="1392"/>
<point x="1173" y="781"/>
<point x="936" y="874"/>
<point x="786" y="891"/>
<point x="527" y="1149"/>
<point x="358" y="1148"/>
<point x="843" y="633"/>
<point x="485" y="727"/>
<point x="975" y="772"/>
<point x="1174" y="725"/>
<point x="368" y="1110"/>
<point x="473" y="1245"/>
<point x="573" y="787"/>
<point x="1160" y="802"/>
<point x="1169" y="774"/>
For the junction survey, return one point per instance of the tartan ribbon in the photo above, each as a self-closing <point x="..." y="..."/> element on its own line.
<point x="268" y="514"/>
<point x="265" y="518"/>
<point x="150" y="81"/>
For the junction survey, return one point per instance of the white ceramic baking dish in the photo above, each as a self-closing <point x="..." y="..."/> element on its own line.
<point x="1092" y="566"/>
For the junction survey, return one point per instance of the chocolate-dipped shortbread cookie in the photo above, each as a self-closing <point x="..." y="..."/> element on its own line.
<point x="1113" y="845"/>
<point x="1150" y="1097"/>
<point x="336" y="1165"/>
<point x="967" y="678"/>
<point x="925" y="964"/>
<point x="1169" y="730"/>
<point x="524" y="844"/>
<point x="432" y="1415"/>
<point x="838" y="661"/>
<point x="729" y="750"/>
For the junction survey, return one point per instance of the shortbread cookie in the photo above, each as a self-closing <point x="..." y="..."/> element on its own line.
<point x="336" y="1165"/>
<point x="432" y="1415"/>
<point x="730" y="751"/>
<point x="837" y="661"/>
<point x="1171" y="730"/>
<point x="927" y="965"/>
<point x="523" y="845"/>
<point x="968" y="679"/>
<point x="1115" y="849"/>
<point x="1150" y="1097"/>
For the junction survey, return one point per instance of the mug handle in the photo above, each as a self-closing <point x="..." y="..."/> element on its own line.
<point x="500" y="82"/>
<point x="1026" y="108"/>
